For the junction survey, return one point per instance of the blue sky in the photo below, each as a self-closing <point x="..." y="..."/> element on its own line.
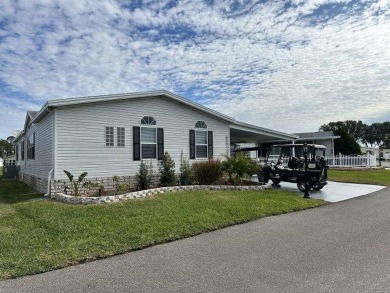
<point x="286" y="65"/>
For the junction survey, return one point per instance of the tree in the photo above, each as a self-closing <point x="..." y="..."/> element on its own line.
<point x="167" y="171"/>
<point x="6" y="148"/>
<point x="346" y="143"/>
<point x="356" y="129"/>
<point x="144" y="175"/>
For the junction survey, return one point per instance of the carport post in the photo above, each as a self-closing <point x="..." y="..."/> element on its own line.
<point x="307" y="195"/>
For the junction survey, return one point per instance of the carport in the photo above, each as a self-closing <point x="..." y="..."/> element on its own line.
<point x="247" y="135"/>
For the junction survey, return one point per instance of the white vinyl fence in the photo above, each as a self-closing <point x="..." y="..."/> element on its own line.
<point x="340" y="161"/>
<point x="351" y="161"/>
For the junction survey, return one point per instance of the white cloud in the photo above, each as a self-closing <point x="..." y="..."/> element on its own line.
<point x="289" y="68"/>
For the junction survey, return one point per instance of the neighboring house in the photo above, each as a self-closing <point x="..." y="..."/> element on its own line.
<point x="325" y="138"/>
<point x="1" y="162"/>
<point x="109" y="135"/>
<point x="385" y="153"/>
<point x="10" y="160"/>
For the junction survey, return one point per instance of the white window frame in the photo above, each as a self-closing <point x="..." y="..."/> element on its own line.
<point x="113" y="136"/>
<point x="141" y="143"/>
<point x="117" y="136"/>
<point x="202" y="144"/>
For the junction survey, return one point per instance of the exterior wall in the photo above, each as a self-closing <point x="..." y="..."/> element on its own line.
<point x="80" y="138"/>
<point x="329" y="146"/>
<point x="35" y="171"/>
<point x="38" y="183"/>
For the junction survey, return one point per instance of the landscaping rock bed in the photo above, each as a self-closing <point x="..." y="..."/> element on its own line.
<point x="70" y="199"/>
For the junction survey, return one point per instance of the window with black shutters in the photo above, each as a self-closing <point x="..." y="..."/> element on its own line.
<point x="201" y="142"/>
<point x="148" y="140"/>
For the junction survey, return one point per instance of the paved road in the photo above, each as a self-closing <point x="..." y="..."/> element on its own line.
<point x="342" y="247"/>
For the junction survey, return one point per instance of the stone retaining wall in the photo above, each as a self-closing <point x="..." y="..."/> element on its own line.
<point x="69" y="199"/>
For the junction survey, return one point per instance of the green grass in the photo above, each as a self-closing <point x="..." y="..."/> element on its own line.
<point x="365" y="176"/>
<point x="42" y="235"/>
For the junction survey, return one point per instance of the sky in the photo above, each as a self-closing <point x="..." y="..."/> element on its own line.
<point x="286" y="65"/>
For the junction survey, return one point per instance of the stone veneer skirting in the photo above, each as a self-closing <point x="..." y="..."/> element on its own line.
<point x="70" y="199"/>
<point x="38" y="183"/>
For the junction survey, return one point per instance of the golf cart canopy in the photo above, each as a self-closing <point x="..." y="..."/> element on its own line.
<point x="296" y="150"/>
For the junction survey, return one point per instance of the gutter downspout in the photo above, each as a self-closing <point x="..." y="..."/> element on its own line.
<point x="47" y="194"/>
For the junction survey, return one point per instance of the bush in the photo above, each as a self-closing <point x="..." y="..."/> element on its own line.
<point x="144" y="175"/>
<point x="207" y="172"/>
<point x="185" y="170"/>
<point x="167" y="171"/>
<point x="237" y="167"/>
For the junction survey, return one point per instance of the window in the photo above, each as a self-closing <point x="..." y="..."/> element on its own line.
<point x="17" y="152"/>
<point x="147" y="120"/>
<point x="148" y="142"/>
<point x="109" y="131"/>
<point x="120" y="136"/>
<point x="22" y="150"/>
<point x="200" y="124"/>
<point x="201" y="141"/>
<point x="31" y="147"/>
<point x="148" y="138"/>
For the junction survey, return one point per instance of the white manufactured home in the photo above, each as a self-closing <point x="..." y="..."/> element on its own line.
<point x="107" y="136"/>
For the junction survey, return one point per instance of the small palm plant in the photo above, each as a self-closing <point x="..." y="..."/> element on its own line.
<point x="76" y="185"/>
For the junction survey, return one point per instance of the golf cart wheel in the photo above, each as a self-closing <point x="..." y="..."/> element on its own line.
<point x="276" y="181"/>
<point x="301" y="185"/>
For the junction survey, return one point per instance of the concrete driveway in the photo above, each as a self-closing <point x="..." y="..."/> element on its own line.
<point x="343" y="247"/>
<point x="336" y="191"/>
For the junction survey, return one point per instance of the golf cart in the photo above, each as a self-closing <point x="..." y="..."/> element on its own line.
<point x="286" y="162"/>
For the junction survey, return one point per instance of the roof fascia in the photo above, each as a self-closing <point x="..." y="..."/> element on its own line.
<point x="117" y="97"/>
<point x="261" y="130"/>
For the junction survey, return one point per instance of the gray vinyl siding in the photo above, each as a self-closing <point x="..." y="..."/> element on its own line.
<point x="43" y="162"/>
<point x="80" y="136"/>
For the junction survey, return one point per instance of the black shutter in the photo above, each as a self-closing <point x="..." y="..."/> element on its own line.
<point x="136" y="143"/>
<point x="160" y="143"/>
<point x="210" y="144"/>
<point x="192" y="144"/>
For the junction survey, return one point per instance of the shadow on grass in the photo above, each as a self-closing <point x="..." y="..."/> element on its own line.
<point x="13" y="191"/>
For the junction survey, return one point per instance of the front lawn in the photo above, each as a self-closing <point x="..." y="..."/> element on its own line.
<point x="365" y="176"/>
<point x="41" y="235"/>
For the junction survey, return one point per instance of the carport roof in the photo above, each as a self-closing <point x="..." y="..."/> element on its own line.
<point x="241" y="132"/>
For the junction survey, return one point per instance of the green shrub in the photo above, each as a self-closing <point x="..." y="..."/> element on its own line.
<point x="167" y="171"/>
<point x="185" y="170"/>
<point x="238" y="167"/>
<point x="207" y="172"/>
<point x="144" y="175"/>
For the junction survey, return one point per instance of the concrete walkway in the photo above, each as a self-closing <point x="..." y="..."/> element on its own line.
<point x="343" y="247"/>
<point x="336" y="191"/>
